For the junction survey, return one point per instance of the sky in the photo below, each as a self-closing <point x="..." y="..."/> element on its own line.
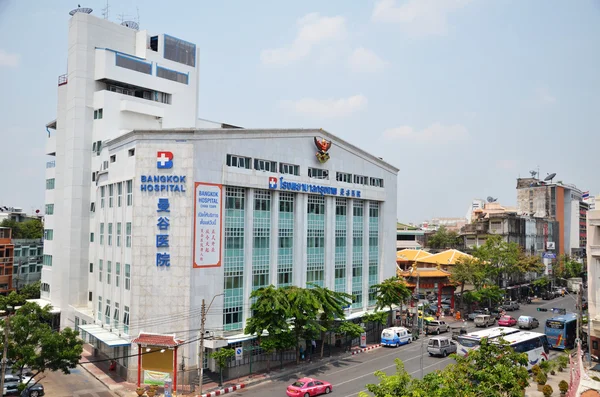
<point x="463" y="96"/>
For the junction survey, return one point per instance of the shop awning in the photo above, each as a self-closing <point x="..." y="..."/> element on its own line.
<point x="105" y="336"/>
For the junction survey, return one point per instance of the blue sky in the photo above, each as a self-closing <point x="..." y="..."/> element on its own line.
<point x="462" y="95"/>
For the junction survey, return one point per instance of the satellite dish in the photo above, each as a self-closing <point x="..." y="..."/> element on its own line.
<point x="131" y="24"/>
<point x="550" y="177"/>
<point x="490" y="199"/>
<point x="81" y="9"/>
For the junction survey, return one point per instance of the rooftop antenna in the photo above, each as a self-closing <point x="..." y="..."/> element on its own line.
<point x="550" y="177"/>
<point x="81" y="9"/>
<point x="105" y="10"/>
<point x="533" y="173"/>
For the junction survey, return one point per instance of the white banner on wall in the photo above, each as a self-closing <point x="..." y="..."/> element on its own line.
<point x="207" y="224"/>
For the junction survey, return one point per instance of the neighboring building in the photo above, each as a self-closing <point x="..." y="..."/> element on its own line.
<point x="589" y="200"/>
<point x="476" y="204"/>
<point x="408" y="236"/>
<point x="558" y="201"/>
<point x="15" y="214"/>
<point x="28" y="261"/>
<point x="6" y="260"/>
<point x="451" y="224"/>
<point x="150" y="223"/>
<point x="593" y="278"/>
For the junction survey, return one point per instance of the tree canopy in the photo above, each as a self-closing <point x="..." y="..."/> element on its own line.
<point x="30" y="229"/>
<point x="443" y="238"/>
<point x="392" y="291"/>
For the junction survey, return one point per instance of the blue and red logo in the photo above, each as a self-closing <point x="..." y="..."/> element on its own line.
<point x="272" y="182"/>
<point x="164" y="160"/>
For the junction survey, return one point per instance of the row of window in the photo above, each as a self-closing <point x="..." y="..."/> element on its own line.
<point x="116" y="188"/>
<point x="118" y="230"/>
<point x="292" y="169"/>
<point x="109" y="273"/>
<point x="25" y="269"/>
<point x="27" y="251"/>
<point x="115" y="318"/>
<point x="140" y="66"/>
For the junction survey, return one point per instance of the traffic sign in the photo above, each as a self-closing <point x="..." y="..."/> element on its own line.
<point x="239" y="353"/>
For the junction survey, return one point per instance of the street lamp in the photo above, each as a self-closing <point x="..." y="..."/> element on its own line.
<point x="204" y="310"/>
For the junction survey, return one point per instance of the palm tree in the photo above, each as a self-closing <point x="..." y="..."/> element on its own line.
<point x="392" y="291"/>
<point x="332" y="308"/>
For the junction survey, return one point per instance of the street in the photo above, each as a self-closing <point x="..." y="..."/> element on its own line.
<point x="350" y="376"/>
<point x="77" y="384"/>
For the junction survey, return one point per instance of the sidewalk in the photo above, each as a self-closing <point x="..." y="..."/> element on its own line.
<point x="122" y="388"/>
<point x="553" y="380"/>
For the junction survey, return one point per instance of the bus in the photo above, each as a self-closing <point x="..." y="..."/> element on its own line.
<point x="562" y="331"/>
<point x="468" y="342"/>
<point x="533" y="343"/>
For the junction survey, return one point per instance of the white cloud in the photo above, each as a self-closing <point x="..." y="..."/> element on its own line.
<point x="313" y="29"/>
<point x="364" y="60"/>
<point x="435" y="133"/>
<point x="8" y="59"/>
<point x="326" y="108"/>
<point x="418" y="17"/>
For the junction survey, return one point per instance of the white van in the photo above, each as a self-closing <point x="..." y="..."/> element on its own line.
<point x="395" y="336"/>
<point x="441" y="346"/>
<point x="484" y="320"/>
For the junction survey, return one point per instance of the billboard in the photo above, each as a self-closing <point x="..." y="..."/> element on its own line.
<point x="208" y="220"/>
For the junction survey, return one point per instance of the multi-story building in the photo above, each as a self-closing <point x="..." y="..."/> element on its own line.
<point x="6" y="260"/>
<point x="558" y="201"/>
<point x="15" y="214"/>
<point x="154" y="211"/>
<point x="27" y="268"/>
<point x="408" y="236"/>
<point x="593" y="278"/>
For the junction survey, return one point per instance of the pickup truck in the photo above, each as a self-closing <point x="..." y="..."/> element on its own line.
<point x="510" y="306"/>
<point x="436" y="327"/>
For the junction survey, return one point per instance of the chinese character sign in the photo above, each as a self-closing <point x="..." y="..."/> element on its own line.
<point x="162" y="238"/>
<point x="207" y="225"/>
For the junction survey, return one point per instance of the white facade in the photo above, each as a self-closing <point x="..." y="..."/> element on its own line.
<point x="593" y="278"/>
<point x="102" y="268"/>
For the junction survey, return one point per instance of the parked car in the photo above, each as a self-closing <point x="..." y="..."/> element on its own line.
<point x="441" y="346"/>
<point x="12" y="389"/>
<point x="507" y="321"/>
<point x="547" y="295"/>
<point x="395" y="336"/>
<point x="475" y="313"/>
<point x="436" y="327"/>
<point x="307" y="387"/>
<point x="510" y="306"/>
<point x="528" y="322"/>
<point x="484" y="320"/>
<point x="496" y="313"/>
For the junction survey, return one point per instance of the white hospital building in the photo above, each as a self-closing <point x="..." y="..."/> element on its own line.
<point x="153" y="210"/>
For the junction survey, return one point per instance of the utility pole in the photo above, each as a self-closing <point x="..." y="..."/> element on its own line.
<point x="5" y="351"/>
<point x="203" y="311"/>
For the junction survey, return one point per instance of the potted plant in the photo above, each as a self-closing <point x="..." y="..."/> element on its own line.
<point x="152" y="390"/>
<point x="541" y="380"/>
<point x="552" y="365"/>
<point x="563" y="386"/>
<point x="535" y="370"/>
<point x="545" y="366"/>
<point x="563" y="362"/>
<point x="140" y="391"/>
<point x="547" y="390"/>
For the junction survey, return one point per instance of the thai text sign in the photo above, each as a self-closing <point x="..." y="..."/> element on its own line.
<point x="207" y="224"/>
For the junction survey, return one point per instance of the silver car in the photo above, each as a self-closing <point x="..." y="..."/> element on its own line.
<point x="527" y="322"/>
<point x="441" y="346"/>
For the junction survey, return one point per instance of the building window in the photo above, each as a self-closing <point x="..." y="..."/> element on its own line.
<point x="102" y="193"/>
<point x="116" y="316"/>
<point x="119" y="194"/>
<point x="117" y="273"/>
<point x="113" y="158"/>
<point x="110" y="234"/>
<point x="108" y="271"/>
<point x="48" y="234"/>
<point x="50" y="184"/>
<point x="285" y="254"/>
<point x="129" y="193"/>
<point x="289" y="169"/>
<point x="265" y="165"/>
<point x="127" y="277"/>
<point x="100" y="308"/>
<point x="131" y="152"/>
<point x="128" y="234"/>
<point x="91" y="237"/>
<point x="45" y="287"/>
<point x="361" y="180"/>
<point x="315" y="245"/>
<point x="172" y="75"/>
<point x="92" y="207"/>
<point x="131" y="63"/>
<point x="343" y="177"/>
<point x="341" y="226"/>
<point x="49" y="209"/>
<point x="377" y="182"/>
<point x="100" y="264"/>
<point x="101" y="233"/>
<point x="373" y="250"/>
<point x="111" y="192"/>
<point x="261" y="251"/>
<point x="118" y="234"/>
<point x="47" y="260"/>
<point x="98" y="114"/>
<point x="90" y="295"/>
<point x="318" y="173"/>
<point x="357" y="252"/>
<point x="179" y="51"/>
<point x="91" y="267"/>
<point x="233" y="261"/>
<point x="126" y="319"/>
<point x="238" y="161"/>
<point x="107" y="312"/>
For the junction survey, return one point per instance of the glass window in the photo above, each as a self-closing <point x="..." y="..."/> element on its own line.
<point x="111" y="192"/>
<point x="126" y="319"/>
<point x="118" y="234"/>
<point x="129" y="193"/>
<point x="119" y="194"/>
<point x="108" y="271"/>
<point x="117" y="273"/>
<point x="131" y="63"/>
<point x="128" y="234"/>
<point x="50" y="184"/>
<point x="100" y="308"/>
<point x="110" y="234"/>
<point x="102" y="194"/>
<point x="100" y="270"/>
<point x="49" y="209"/>
<point x="102" y="233"/>
<point x="179" y="51"/>
<point x="107" y="312"/>
<point x="172" y="75"/>
<point x="127" y="277"/>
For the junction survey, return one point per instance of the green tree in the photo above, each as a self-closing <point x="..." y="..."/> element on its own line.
<point x="392" y="291"/>
<point x="33" y="343"/>
<point x="499" y="257"/>
<point x="468" y="270"/>
<point x="268" y="345"/>
<point x="30" y="229"/>
<point x="221" y="356"/>
<point x="377" y="318"/>
<point x="439" y="239"/>
<point x="568" y="267"/>
<point x="454" y="239"/>
<point x="304" y="307"/>
<point x="30" y="291"/>
<point x="269" y="311"/>
<point x="528" y="264"/>
<point x="350" y="330"/>
<point x="332" y="308"/>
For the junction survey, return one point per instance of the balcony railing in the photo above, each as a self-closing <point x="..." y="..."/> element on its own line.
<point x="62" y="79"/>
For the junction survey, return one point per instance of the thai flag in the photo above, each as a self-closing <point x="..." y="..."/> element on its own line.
<point x="585" y="195"/>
